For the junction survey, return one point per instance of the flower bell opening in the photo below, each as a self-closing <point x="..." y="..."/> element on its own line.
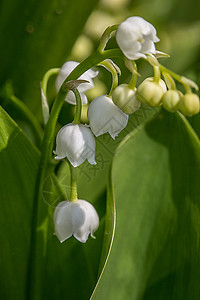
<point x="78" y="218"/>
<point x="77" y="143"/>
<point x="105" y="116"/>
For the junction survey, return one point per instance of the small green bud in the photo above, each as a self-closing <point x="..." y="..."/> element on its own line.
<point x="150" y="92"/>
<point x="171" y="100"/>
<point x="125" y="99"/>
<point x="189" y="104"/>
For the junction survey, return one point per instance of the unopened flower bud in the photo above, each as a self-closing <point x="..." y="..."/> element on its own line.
<point x="189" y="104"/>
<point x="78" y="218"/>
<point x="125" y="99"/>
<point x="150" y="92"/>
<point x="171" y="100"/>
<point x="105" y="116"/>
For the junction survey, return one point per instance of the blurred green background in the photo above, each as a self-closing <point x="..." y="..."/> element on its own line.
<point x="38" y="35"/>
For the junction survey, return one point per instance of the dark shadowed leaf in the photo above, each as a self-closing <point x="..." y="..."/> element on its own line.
<point x="18" y="166"/>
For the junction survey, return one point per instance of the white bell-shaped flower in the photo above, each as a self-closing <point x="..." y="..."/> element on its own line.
<point x="77" y="143"/>
<point x="78" y="218"/>
<point x="105" y="116"/>
<point x="65" y="70"/>
<point x="136" y="37"/>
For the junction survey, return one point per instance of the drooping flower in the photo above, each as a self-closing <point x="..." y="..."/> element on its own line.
<point x="105" y="116"/>
<point x="78" y="218"/>
<point x="125" y="99"/>
<point x="77" y="143"/>
<point x="65" y="70"/>
<point x="136" y="37"/>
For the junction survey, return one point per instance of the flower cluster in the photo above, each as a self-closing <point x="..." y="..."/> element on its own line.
<point x="155" y="93"/>
<point x="136" y="39"/>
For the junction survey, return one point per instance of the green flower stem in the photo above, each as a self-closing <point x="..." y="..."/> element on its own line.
<point x="45" y="105"/>
<point x="156" y="74"/>
<point x="46" y="166"/>
<point x="77" y="117"/>
<point x="188" y="89"/>
<point x="169" y="81"/>
<point x="187" y="83"/>
<point x="74" y="193"/>
<point x="173" y="74"/>
<point x="133" y="81"/>
<point x="106" y="36"/>
<point x="112" y="69"/>
<point x="47" y="75"/>
<point x="36" y="128"/>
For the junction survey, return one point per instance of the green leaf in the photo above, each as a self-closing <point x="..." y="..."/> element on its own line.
<point x="18" y="164"/>
<point x="62" y="267"/>
<point x="156" y="249"/>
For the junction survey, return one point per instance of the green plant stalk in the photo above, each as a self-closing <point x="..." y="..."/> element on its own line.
<point x="77" y="120"/>
<point x="46" y="165"/>
<point x="47" y="75"/>
<point x="45" y="105"/>
<point x="156" y="77"/>
<point x="74" y="189"/>
<point x="110" y="67"/>
<point x="169" y="81"/>
<point x="106" y="36"/>
<point x="77" y="117"/>
<point x="173" y="74"/>
<point x="133" y="81"/>
<point x="187" y="83"/>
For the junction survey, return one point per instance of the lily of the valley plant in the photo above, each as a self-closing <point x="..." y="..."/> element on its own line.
<point x="75" y="142"/>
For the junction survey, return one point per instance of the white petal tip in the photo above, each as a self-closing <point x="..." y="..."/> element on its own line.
<point x="58" y="157"/>
<point x="80" y="239"/>
<point x="61" y="240"/>
<point x="92" y="162"/>
<point x="113" y="136"/>
<point x="75" y="165"/>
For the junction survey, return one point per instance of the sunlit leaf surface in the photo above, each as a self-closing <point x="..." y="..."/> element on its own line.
<point x="155" y="253"/>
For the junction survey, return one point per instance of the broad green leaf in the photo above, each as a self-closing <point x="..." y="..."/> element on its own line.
<point x="18" y="167"/>
<point x="62" y="267"/>
<point x="195" y="123"/>
<point x="155" y="252"/>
